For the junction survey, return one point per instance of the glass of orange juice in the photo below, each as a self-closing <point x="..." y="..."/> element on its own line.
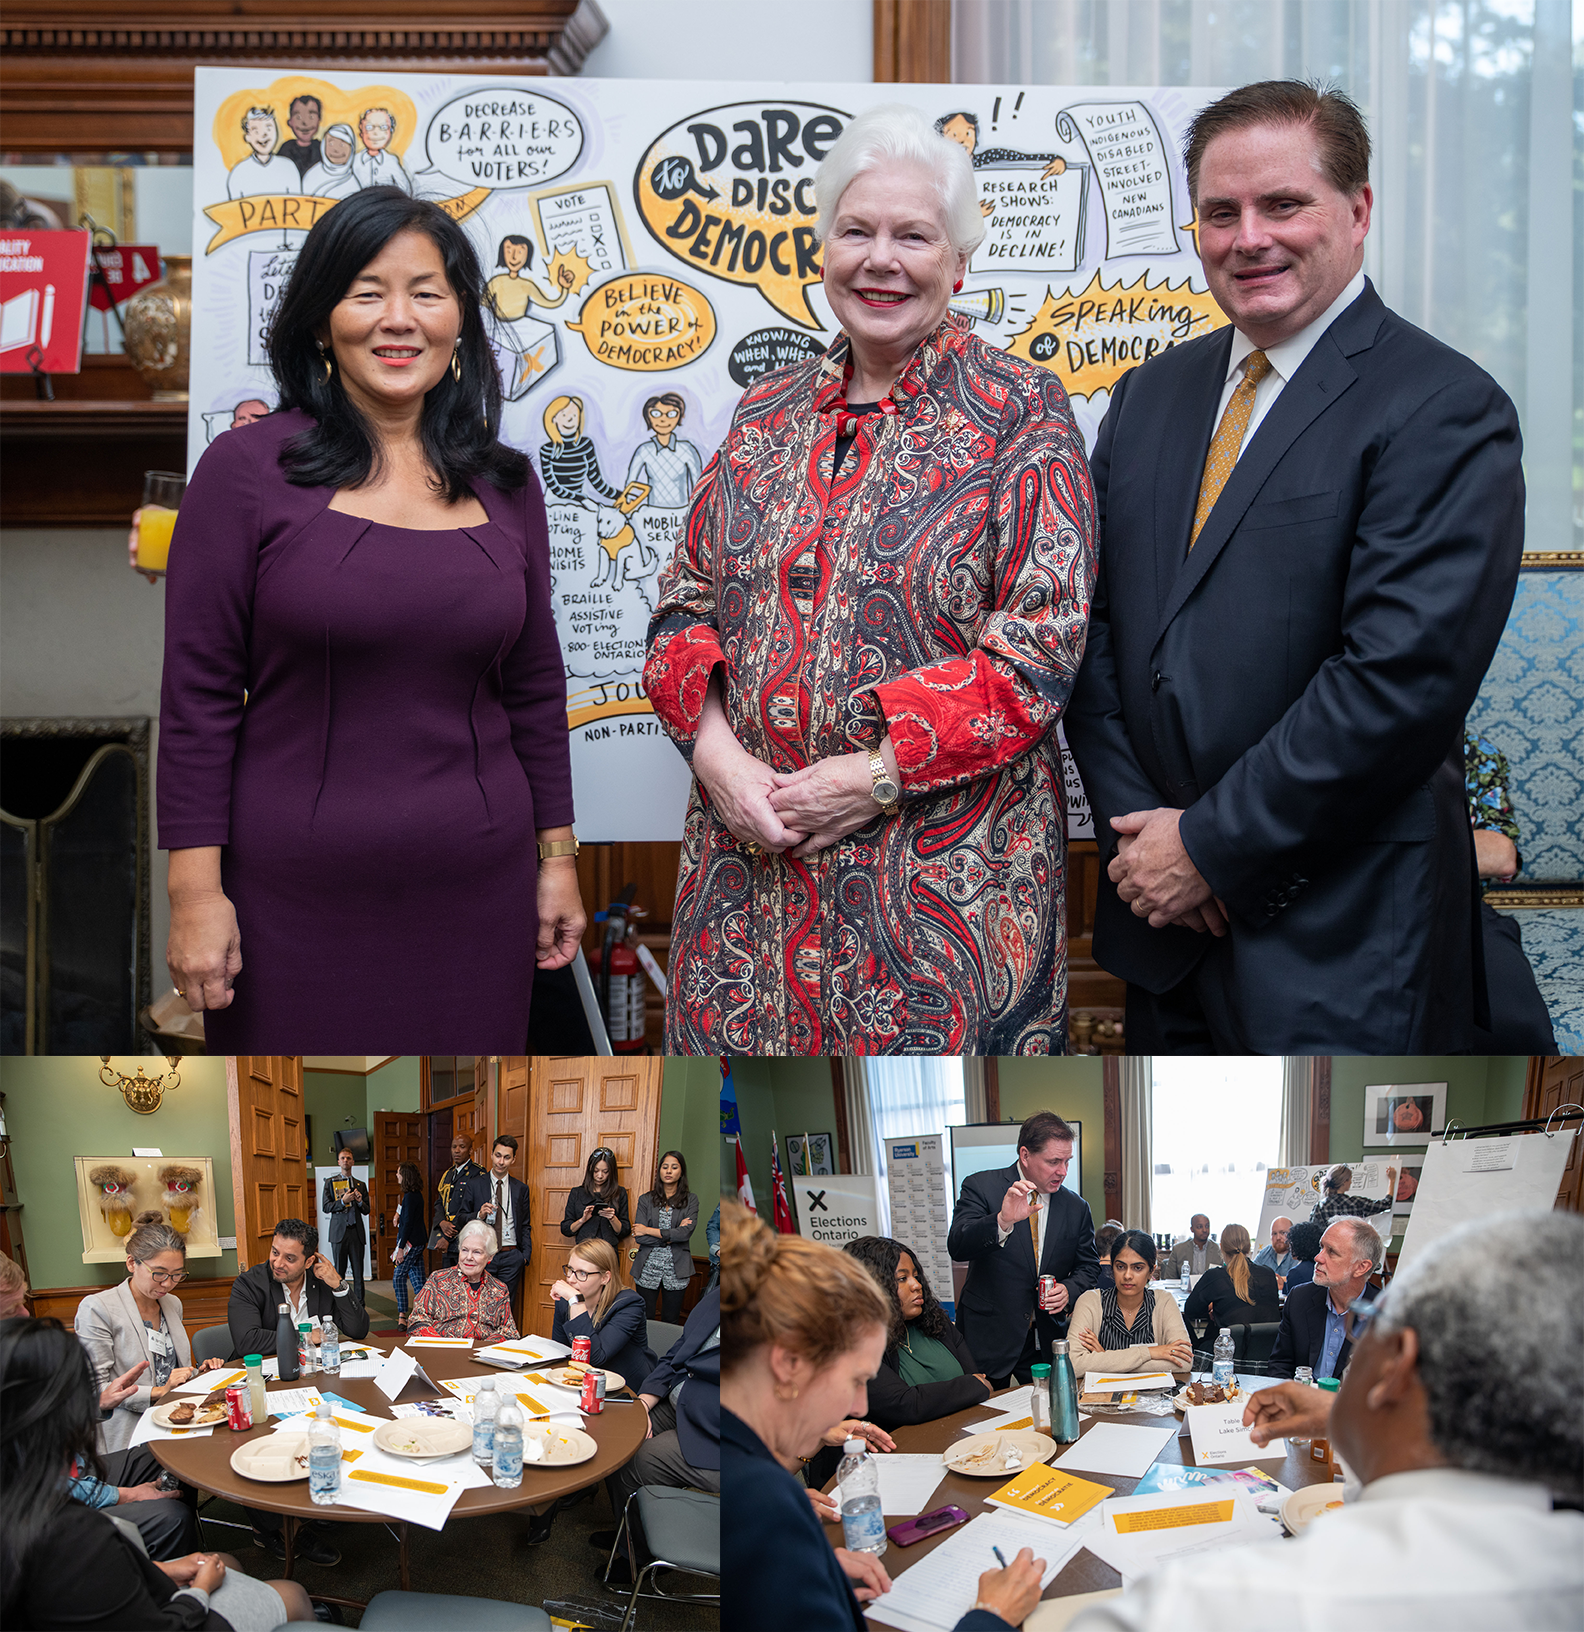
<point x="162" y="493"/>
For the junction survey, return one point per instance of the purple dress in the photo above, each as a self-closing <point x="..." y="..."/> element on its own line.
<point x="371" y="722"/>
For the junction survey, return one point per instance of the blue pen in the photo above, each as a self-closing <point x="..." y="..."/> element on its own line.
<point x="999" y="1559"/>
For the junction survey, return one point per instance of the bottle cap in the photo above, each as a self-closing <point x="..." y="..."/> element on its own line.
<point x="252" y="1359"/>
<point x="304" y="1325"/>
<point x="323" y="1408"/>
<point x="1039" y="1371"/>
<point x="854" y="1444"/>
<point x="1059" y="1346"/>
<point x="1330" y="1384"/>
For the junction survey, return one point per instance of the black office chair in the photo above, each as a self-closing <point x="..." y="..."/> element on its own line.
<point x="1259" y="1340"/>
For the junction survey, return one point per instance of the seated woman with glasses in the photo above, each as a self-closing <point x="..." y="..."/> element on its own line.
<point x="465" y="1301"/>
<point x="591" y="1302"/>
<point x="140" y="1321"/>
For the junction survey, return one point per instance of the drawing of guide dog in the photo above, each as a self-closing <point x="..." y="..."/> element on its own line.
<point x="650" y="252"/>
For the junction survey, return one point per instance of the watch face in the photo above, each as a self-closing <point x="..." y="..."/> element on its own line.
<point x="885" y="791"/>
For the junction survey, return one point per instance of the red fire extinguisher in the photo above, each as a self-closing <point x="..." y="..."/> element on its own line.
<point x="621" y="979"/>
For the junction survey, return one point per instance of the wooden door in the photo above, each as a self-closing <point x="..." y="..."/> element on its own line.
<point x="270" y="1178"/>
<point x="574" y="1105"/>
<point x="1552" y="1083"/>
<point x="398" y="1138"/>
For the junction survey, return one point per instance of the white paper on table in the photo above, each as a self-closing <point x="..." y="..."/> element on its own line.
<point x="1138" y="1552"/>
<point x="994" y="1425"/>
<point x="1015" y="1402"/>
<point x="291" y="1402"/>
<point x="428" y="1508"/>
<point x="354" y="1370"/>
<point x="357" y="1427"/>
<point x="393" y="1374"/>
<point x="1117" y="1448"/>
<point x="1219" y="1437"/>
<point x="941" y="1588"/>
<point x="435" y="1410"/>
<point x="146" y="1430"/>
<point x="1109" y="1382"/>
<point x="1057" y="1614"/>
<point x="532" y="1348"/>
<point x="206" y="1380"/>
<point x="439" y="1342"/>
<point x="907" y="1481"/>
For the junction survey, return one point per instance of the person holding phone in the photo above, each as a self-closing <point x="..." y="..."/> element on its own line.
<point x="597" y="1208"/>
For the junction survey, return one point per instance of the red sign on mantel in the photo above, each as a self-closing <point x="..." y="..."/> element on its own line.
<point x="127" y="269"/>
<point x="43" y="296"/>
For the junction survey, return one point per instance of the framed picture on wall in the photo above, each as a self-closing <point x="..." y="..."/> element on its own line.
<point x="1403" y="1113"/>
<point x="808" y="1155"/>
<point x="1407" y="1188"/>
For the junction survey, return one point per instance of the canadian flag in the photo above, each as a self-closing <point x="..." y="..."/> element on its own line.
<point x="744" y="1188"/>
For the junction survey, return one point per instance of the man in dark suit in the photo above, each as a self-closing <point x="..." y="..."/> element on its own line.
<point x="497" y="1199"/>
<point x="1316" y="1328"/>
<point x="1000" y="1216"/>
<point x="1311" y="527"/>
<point x="346" y="1201"/>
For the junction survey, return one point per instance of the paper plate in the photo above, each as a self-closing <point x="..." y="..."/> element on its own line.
<point x="562" y="1445"/>
<point x="614" y="1381"/>
<point x="206" y="1417"/>
<point x="276" y="1459"/>
<point x="1303" y="1507"/>
<point x="984" y="1455"/>
<point x="423" y="1437"/>
<point x="1181" y="1402"/>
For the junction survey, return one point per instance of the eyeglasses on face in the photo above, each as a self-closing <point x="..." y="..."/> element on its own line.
<point x="579" y="1275"/>
<point x="167" y="1277"/>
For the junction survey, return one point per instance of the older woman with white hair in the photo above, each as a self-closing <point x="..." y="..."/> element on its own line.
<point x="863" y="644"/>
<point x="465" y="1301"/>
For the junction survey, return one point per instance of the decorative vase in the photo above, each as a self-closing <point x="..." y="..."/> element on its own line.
<point x="158" y="322"/>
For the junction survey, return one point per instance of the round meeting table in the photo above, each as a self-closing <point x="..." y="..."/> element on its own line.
<point x="205" y="1463"/>
<point x="1083" y="1572"/>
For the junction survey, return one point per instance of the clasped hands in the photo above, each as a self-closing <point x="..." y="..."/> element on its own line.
<point x="1155" y="875"/>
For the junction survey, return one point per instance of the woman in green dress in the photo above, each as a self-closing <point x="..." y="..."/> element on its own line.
<point x="927" y="1370"/>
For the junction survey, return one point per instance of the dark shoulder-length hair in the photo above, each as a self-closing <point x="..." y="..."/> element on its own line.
<point x="880" y="1255"/>
<point x="461" y="417"/>
<point x="657" y="1191"/>
<point x="49" y="1419"/>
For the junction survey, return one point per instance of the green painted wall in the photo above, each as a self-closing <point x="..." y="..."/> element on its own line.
<point x="393" y="1087"/>
<point x="57" y="1109"/>
<point x="335" y="1100"/>
<point x="690" y="1122"/>
<point x="1072" y="1088"/>
<point x="1504" y="1086"/>
<point x="784" y="1095"/>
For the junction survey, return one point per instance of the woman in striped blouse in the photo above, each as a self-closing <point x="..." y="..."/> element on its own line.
<point x="568" y="459"/>
<point x="1131" y="1326"/>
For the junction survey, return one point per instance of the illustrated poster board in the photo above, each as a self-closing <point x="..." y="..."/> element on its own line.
<point x="101" y="1245"/>
<point x="1293" y="1192"/>
<point x="836" y="1208"/>
<point x="1474" y="1178"/>
<point x="919" y="1190"/>
<point x="644" y="237"/>
<point x="323" y="1218"/>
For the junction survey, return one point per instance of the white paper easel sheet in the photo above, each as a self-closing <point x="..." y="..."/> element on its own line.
<point x="1121" y="1449"/>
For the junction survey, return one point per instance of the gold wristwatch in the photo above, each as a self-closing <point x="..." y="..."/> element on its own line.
<point x="558" y="847"/>
<point x="886" y="792"/>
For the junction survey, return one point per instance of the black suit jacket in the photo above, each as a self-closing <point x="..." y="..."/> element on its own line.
<point x="480" y="1190"/>
<point x="1002" y="1288"/>
<point x="346" y="1217"/>
<point x="1302" y="1333"/>
<point x="1296" y="684"/>
<point x="896" y="1404"/>
<point x="688" y="1361"/>
<point x="256" y="1299"/>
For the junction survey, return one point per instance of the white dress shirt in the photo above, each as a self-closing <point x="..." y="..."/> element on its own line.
<point x="1435" y="1550"/>
<point x="271" y="177"/>
<point x="1285" y="359"/>
<point x="505" y="1225"/>
<point x="380" y="168"/>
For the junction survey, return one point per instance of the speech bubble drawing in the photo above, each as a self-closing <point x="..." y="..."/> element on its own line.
<point x="1092" y="339"/>
<point x="502" y="136"/>
<point x="646" y="323"/>
<point x="730" y="191"/>
<point x="766" y="350"/>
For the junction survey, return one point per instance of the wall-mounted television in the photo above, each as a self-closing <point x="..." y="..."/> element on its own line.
<point x="354" y="1139"/>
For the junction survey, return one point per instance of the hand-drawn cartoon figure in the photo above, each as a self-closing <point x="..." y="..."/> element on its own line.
<point x="963" y="128"/>
<point x="510" y="293"/>
<point x="668" y="464"/>
<point x="247" y="411"/>
<point x="302" y="119"/>
<point x="333" y="176"/>
<point x="263" y="171"/>
<point x="568" y="459"/>
<point x="375" y="166"/>
<point x="622" y="557"/>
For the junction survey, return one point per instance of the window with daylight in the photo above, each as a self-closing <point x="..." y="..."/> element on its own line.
<point x="1216" y="1129"/>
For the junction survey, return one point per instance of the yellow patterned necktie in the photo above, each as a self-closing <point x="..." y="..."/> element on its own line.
<point x="1224" y="445"/>
<point x="1034" y="1236"/>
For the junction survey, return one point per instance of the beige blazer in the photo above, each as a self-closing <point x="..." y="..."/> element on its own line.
<point x="1166" y="1320"/>
<point x="112" y="1332"/>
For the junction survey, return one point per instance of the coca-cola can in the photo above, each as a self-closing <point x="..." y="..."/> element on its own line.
<point x="582" y="1349"/>
<point x="239" y="1407"/>
<point x="593" y="1400"/>
<point x="1047" y="1290"/>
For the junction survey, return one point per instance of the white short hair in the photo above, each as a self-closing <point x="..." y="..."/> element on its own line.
<point x="896" y="132"/>
<point x="1366" y="1240"/>
<point x="476" y="1229"/>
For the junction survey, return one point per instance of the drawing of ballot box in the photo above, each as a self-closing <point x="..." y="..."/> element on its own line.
<point x="526" y="350"/>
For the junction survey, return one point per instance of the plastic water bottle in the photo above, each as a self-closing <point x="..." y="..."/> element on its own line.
<point x="1224" y="1371"/>
<point x="306" y="1363"/>
<point x="1063" y="1395"/>
<point x="285" y="1345"/>
<point x="484" y="1407"/>
<point x="255" y="1386"/>
<point x="1304" y="1377"/>
<point x="330" y="1349"/>
<point x="508" y="1437"/>
<point x="324" y="1457"/>
<point x="1039" y="1400"/>
<point x="1187" y="1279"/>
<point x="863" y="1524"/>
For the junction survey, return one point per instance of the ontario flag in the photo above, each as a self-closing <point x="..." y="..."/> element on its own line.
<point x="744" y="1188"/>
<point x="780" y="1202"/>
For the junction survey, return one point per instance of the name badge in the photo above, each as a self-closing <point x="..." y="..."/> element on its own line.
<point x="159" y="1343"/>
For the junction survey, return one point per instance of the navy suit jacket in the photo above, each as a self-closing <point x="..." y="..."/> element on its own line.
<point x="698" y="1405"/>
<point x="1302" y="1334"/>
<point x="1297" y="683"/>
<point x="479" y="1191"/>
<point x="1002" y="1287"/>
<point x="346" y="1217"/>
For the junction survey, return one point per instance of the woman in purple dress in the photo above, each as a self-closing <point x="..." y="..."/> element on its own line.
<point x="364" y="777"/>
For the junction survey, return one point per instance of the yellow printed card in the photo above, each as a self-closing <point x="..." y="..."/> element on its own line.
<point x="1049" y="1493"/>
<point x="1172" y="1518"/>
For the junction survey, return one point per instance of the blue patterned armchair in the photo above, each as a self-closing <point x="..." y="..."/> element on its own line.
<point x="1531" y="706"/>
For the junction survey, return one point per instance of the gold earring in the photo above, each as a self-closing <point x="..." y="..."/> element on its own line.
<point x="456" y="361"/>
<point x="324" y="357"/>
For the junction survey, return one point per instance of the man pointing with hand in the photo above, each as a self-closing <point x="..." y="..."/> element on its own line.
<point x="1013" y="1225"/>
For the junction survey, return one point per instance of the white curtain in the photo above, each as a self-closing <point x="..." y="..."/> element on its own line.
<point x="894" y="1096"/>
<point x="1138" y="1128"/>
<point x="860" y="1129"/>
<point x="1470" y="108"/>
<point x="976" y="1107"/>
<point x="1297" y="1093"/>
